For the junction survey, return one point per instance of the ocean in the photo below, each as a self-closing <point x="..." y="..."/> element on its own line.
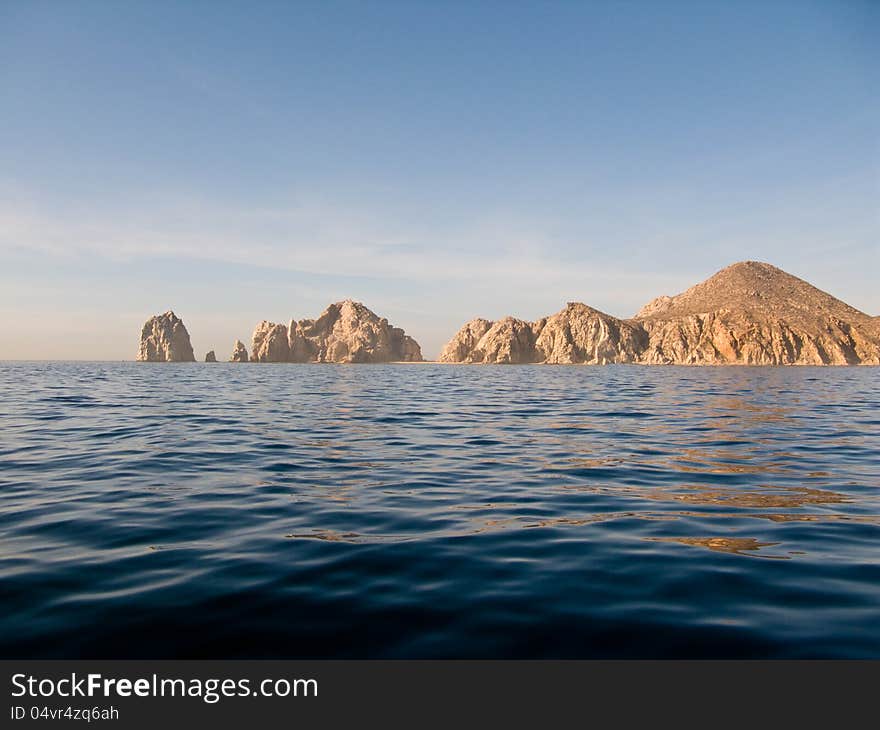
<point x="438" y="511"/>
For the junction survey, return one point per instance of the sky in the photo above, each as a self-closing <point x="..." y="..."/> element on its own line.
<point x="436" y="160"/>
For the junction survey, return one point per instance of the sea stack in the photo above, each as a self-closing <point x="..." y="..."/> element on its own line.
<point x="269" y="343"/>
<point x="164" y="339"/>
<point x="239" y="352"/>
<point x="210" y="357"/>
<point x="346" y="332"/>
<point x="750" y="313"/>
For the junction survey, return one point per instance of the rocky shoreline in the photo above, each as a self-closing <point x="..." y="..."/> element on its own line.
<point x="750" y="313"/>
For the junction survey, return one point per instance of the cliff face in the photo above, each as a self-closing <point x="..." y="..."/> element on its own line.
<point x="718" y="338"/>
<point x="463" y="344"/>
<point x="508" y="341"/>
<point x="164" y="339"/>
<point x="581" y="334"/>
<point x="577" y="334"/>
<point x="270" y="343"/>
<point x="346" y="332"/>
<point x="749" y="313"/>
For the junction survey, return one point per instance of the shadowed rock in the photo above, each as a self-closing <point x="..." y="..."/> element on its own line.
<point x="164" y="339"/>
<point x="239" y="352"/>
<point x="461" y="347"/>
<point x="210" y="357"/>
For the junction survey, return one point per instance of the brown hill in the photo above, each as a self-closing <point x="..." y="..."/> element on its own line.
<point x="754" y="313"/>
<point x="749" y="313"/>
<point x="757" y="287"/>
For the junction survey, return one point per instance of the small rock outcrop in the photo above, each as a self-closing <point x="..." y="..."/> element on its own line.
<point x="750" y="313"/>
<point x="210" y="357"/>
<point x="239" y="352"/>
<point x="164" y="339"/>
<point x="346" y="332"/>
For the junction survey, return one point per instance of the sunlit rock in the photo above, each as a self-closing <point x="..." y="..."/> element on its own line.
<point x="164" y="339"/>
<point x="345" y="332"/>
<point x="750" y="313"/>
<point x="269" y="343"/>
<point x="753" y="313"/>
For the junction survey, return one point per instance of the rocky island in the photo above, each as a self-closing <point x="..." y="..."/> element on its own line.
<point x="164" y="338"/>
<point x="346" y="332"/>
<point x="750" y="313"/>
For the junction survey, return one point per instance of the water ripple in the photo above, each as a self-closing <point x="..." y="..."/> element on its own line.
<point x="438" y="511"/>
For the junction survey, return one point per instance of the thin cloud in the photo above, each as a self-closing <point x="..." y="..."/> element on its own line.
<point x="312" y="239"/>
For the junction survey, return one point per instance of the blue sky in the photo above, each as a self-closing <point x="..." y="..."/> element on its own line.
<point x="438" y="161"/>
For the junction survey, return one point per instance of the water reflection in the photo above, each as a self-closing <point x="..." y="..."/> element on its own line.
<point x="734" y="545"/>
<point x="791" y="497"/>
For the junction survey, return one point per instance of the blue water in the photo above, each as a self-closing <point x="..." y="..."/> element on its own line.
<point x="438" y="511"/>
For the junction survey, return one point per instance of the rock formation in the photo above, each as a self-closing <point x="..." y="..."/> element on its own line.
<point x="239" y="352"/>
<point x="210" y="357"/>
<point x="753" y="313"/>
<point x="461" y="348"/>
<point x="509" y="341"/>
<point x="345" y="332"/>
<point x="749" y="313"/>
<point x="581" y="334"/>
<point x="270" y="343"/>
<point x="164" y="339"/>
<point x="577" y="334"/>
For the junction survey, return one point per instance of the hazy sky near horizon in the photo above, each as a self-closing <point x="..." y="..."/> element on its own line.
<point x="437" y="161"/>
